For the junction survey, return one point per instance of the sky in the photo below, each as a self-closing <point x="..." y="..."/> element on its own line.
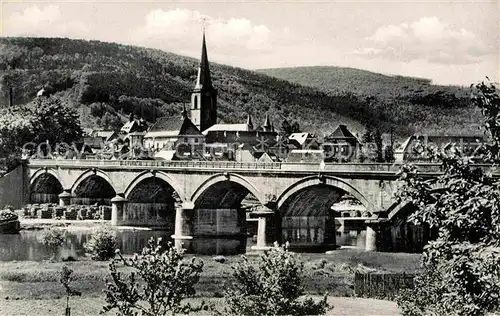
<point x="451" y="42"/>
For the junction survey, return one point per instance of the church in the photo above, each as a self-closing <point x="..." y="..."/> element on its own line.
<point x="199" y="136"/>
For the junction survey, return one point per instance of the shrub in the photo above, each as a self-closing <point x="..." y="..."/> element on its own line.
<point x="160" y="280"/>
<point x="52" y="238"/>
<point x="274" y="287"/>
<point x="65" y="280"/>
<point x="101" y="245"/>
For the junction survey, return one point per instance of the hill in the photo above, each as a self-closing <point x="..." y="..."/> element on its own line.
<point x="367" y="83"/>
<point x="402" y="96"/>
<point x="106" y="81"/>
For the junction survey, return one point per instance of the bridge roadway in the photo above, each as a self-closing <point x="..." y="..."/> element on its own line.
<point x="213" y="185"/>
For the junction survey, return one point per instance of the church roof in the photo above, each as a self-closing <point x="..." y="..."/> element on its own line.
<point x="173" y="126"/>
<point x="204" y="79"/>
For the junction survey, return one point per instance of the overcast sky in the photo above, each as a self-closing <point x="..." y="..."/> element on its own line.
<point x="450" y="42"/>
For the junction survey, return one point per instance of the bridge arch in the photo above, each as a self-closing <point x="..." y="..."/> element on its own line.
<point x="93" y="186"/>
<point x="160" y="175"/>
<point x="325" y="180"/>
<point x="43" y="171"/>
<point x="89" y="173"/>
<point x="230" y="177"/>
<point x="45" y="187"/>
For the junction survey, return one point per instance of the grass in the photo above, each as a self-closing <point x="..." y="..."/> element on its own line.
<point x="28" y="287"/>
<point x="330" y="273"/>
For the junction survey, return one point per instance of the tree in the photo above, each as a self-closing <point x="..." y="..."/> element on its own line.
<point x="461" y="267"/>
<point x="287" y="129"/>
<point x="486" y="97"/>
<point x="65" y="279"/>
<point x="166" y="278"/>
<point x="377" y="138"/>
<point x="367" y="135"/>
<point x="56" y="122"/>
<point x="273" y="288"/>
<point x="111" y="121"/>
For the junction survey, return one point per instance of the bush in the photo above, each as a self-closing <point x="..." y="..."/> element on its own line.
<point x="166" y="278"/>
<point x="273" y="288"/>
<point x="52" y="237"/>
<point x="101" y="245"/>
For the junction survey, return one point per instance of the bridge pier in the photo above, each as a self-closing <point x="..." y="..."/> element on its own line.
<point x="183" y="233"/>
<point x="263" y="215"/>
<point x="372" y="234"/>
<point x="117" y="209"/>
<point x="65" y="198"/>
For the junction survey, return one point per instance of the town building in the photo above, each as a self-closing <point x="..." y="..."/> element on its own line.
<point x="303" y="141"/>
<point x="341" y="145"/>
<point x="414" y="148"/>
<point x="134" y="125"/>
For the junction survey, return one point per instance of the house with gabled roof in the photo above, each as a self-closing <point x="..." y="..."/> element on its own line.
<point x="340" y="145"/>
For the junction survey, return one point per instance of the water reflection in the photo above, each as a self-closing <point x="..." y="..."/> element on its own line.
<point x="26" y="247"/>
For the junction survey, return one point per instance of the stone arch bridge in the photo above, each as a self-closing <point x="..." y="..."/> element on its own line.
<point x="204" y="198"/>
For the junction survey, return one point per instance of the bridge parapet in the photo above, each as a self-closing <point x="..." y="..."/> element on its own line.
<point x="354" y="168"/>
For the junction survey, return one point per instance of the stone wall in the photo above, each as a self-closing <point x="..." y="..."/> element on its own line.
<point x="14" y="188"/>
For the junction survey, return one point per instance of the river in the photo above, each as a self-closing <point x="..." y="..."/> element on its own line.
<point x="26" y="247"/>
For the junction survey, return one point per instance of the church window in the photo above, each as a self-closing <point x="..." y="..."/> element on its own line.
<point x="195" y="105"/>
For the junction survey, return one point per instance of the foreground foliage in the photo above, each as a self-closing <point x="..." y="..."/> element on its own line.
<point x="461" y="268"/>
<point x="102" y="244"/>
<point x="161" y="279"/>
<point x="274" y="287"/>
<point x="65" y="279"/>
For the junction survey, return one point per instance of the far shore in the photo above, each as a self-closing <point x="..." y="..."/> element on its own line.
<point x="35" y="224"/>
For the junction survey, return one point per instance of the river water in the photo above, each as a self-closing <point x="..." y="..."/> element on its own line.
<point x="26" y="247"/>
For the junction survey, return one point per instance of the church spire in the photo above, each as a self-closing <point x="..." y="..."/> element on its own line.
<point x="249" y="121"/>
<point x="204" y="81"/>
<point x="268" y="127"/>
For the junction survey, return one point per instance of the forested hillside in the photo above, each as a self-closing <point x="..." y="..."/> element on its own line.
<point x="105" y="82"/>
<point x="434" y="107"/>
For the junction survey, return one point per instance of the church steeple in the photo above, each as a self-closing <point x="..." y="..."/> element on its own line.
<point x="268" y="127"/>
<point x="249" y="122"/>
<point x="204" y="96"/>
<point x="204" y="81"/>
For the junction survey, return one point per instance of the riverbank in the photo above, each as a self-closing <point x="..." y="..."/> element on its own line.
<point x="88" y="224"/>
<point x="38" y="282"/>
<point x="28" y="288"/>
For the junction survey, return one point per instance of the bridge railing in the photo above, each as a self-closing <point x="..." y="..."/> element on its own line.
<point x="278" y="166"/>
<point x="156" y="163"/>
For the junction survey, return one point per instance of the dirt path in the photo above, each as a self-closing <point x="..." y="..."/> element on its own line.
<point x="91" y="306"/>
